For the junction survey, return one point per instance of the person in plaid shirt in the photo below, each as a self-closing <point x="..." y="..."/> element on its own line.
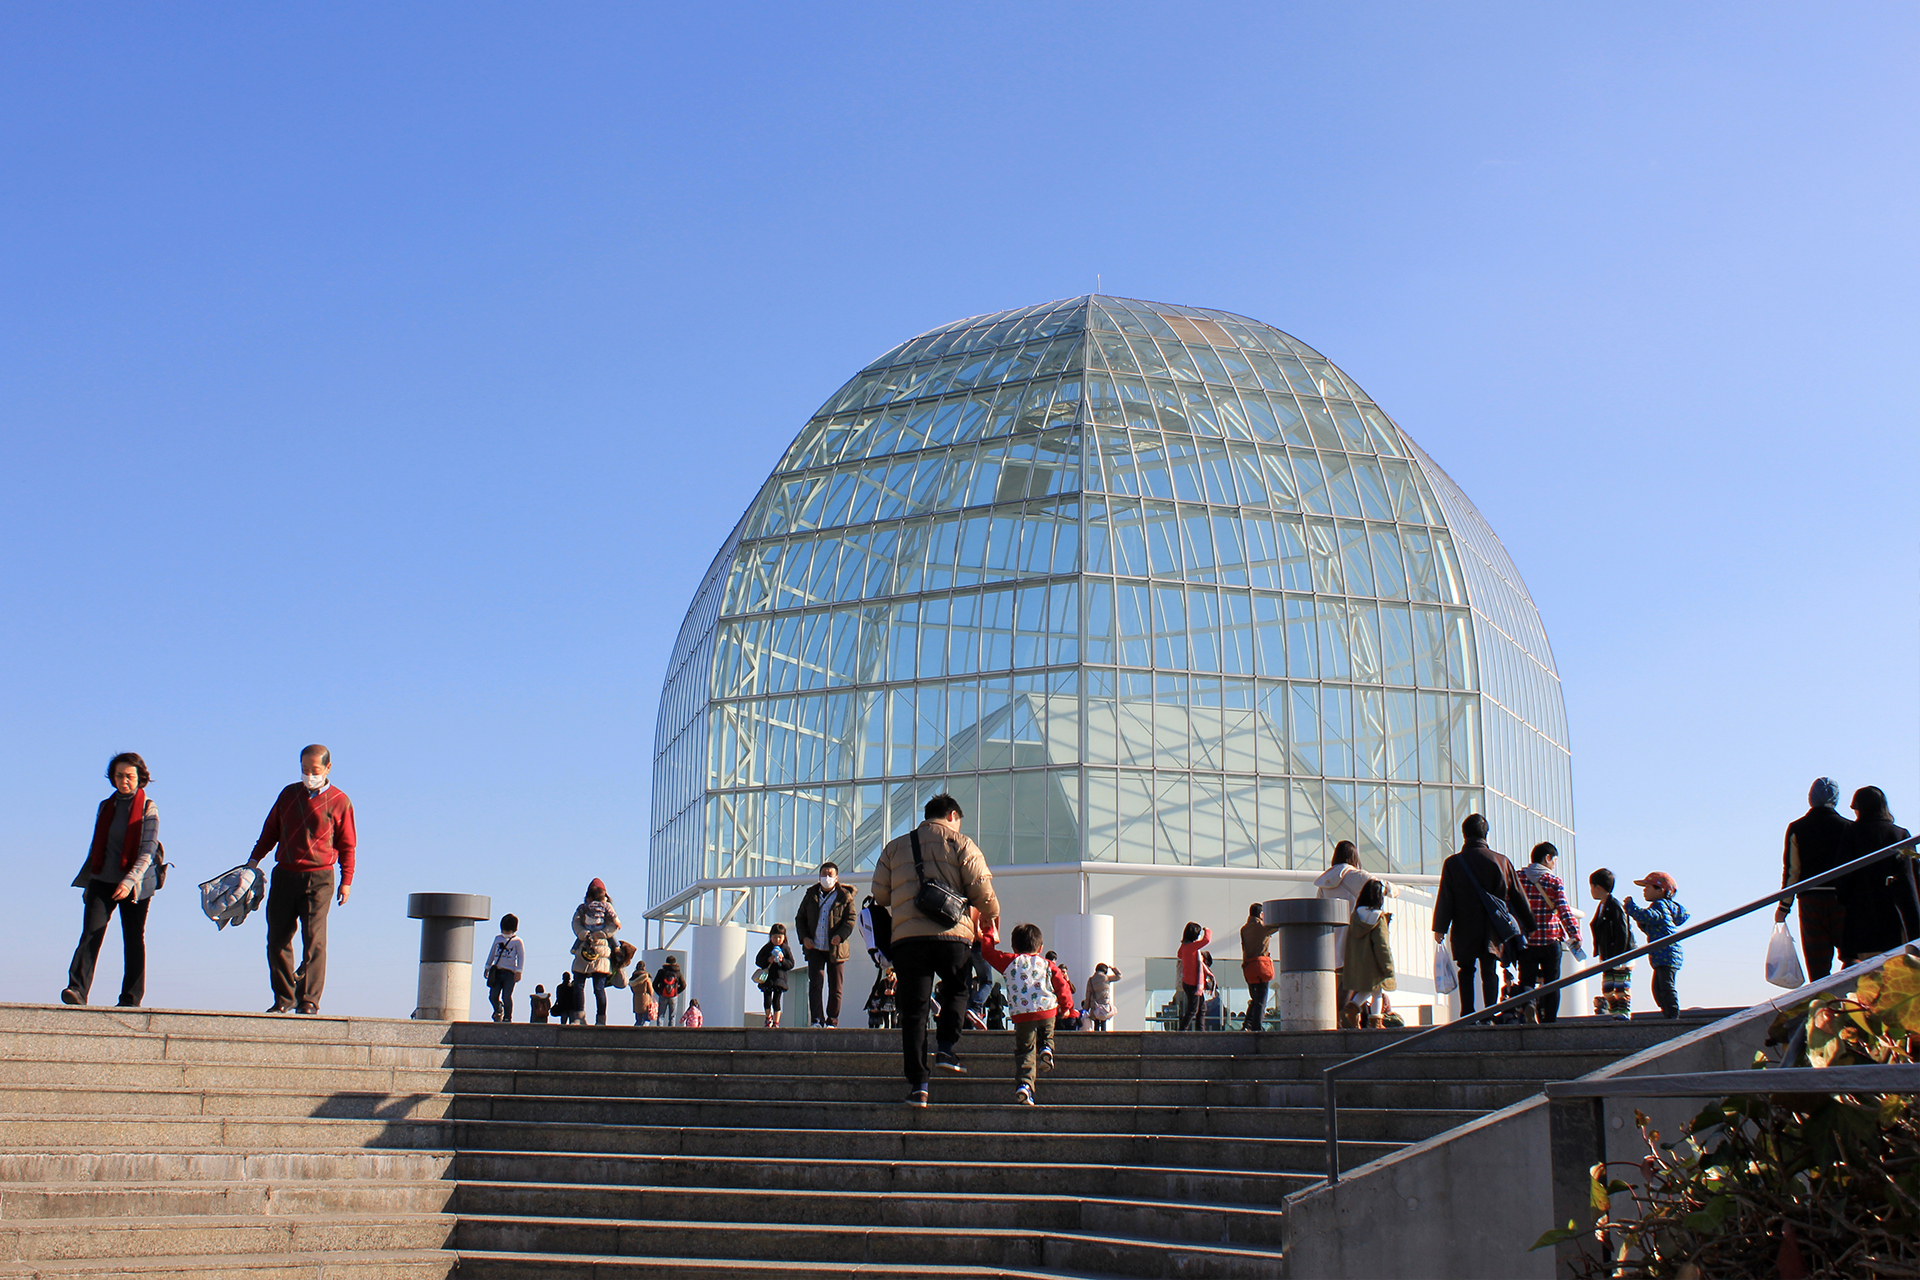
<point x="1554" y="922"/>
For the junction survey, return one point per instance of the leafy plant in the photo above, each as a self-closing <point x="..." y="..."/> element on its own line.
<point x="1789" y="1185"/>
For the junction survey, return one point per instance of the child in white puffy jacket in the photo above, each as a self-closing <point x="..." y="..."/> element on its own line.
<point x="1036" y="992"/>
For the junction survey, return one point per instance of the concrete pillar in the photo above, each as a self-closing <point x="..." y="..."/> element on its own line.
<point x="1304" y="994"/>
<point x="1082" y="942"/>
<point x="446" y="952"/>
<point x="718" y="972"/>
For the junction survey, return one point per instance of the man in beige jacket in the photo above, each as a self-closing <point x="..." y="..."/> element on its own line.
<point x="922" y="948"/>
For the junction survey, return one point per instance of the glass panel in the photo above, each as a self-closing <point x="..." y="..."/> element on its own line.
<point x="1313" y="483"/>
<point x="1134" y="614"/>
<point x="1365" y="639"/>
<point x="1353" y="556"/>
<point x="1303" y="730"/>
<point x="1309" y="847"/>
<point x="1208" y="821"/>
<point x="1346" y="502"/>
<point x="1170" y="629"/>
<point x="1135" y="713"/>
<point x="1275" y="801"/>
<point x="1402" y="737"/>
<point x="1136" y="836"/>
<point x="1336" y="730"/>
<point x="1334" y="664"/>
<point x="1303" y="652"/>
<point x="1323" y="554"/>
<point x="1389" y="574"/>
<point x="1374" y="500"/>
<point x="1170" y="812"/>
<point x="1370" y="734"/>
<point x="1429" y="649"/>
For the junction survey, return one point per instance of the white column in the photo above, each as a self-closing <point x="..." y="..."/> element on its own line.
<point x="446" y="991"/>
<point x="1082" y="941"/>
<point x="717" y="973"/>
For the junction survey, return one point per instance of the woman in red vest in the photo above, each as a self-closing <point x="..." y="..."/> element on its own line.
<point x="120" y="872"/>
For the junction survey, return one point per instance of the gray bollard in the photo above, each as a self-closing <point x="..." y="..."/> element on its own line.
<point x="1306" y="997"/>
<point x="446" y="951"/>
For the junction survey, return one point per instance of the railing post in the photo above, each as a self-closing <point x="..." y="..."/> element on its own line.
<point x="1329" y="1085"/>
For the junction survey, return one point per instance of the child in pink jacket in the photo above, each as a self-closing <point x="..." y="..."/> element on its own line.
<point x="1036" y="992"/>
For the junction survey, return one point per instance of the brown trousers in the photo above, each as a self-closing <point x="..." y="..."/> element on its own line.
<point x="298" y="899"/>
<point x="1030" y="1039"/>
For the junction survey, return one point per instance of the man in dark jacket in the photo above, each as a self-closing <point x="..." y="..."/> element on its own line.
<point x="822" y="926"/>
<point x="1817" y="841"/>
<point x="1458" y="907"/>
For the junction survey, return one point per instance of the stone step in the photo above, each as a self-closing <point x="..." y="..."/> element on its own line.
<point x="873" y="1177"/>
<point x="1183" y="1151"/>
<point x="201" y="1164"/>
<point x="228" y="1198"/>
<point x="1062" y="1087"/>
<point x="111" y="1133"/>
<point x="956" y="1112"/>
<point x="251" y="1026"/>
<point x="88" y="1043"/>
<point x="476" y="1264"/>
<point x="355" y="1264"/>
<point x="75" y="1238"/>
<point x="895" y="1246"/>
<point x="1156" y="1220"/>
<point x="317" y="1078"/>
<point x="344" y="1104"/>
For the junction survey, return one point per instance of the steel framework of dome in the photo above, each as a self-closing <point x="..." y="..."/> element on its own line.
<point x="1137" y="583"/>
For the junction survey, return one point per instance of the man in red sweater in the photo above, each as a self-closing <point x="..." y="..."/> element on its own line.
<point x="311" y="822"/>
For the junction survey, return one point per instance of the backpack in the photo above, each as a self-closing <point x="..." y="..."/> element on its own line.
<point x="1502" y="929"/>
<point x="879" y="923"/>
<point x="1030" y="985"/>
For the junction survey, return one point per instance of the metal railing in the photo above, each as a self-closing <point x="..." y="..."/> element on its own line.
<point x="1329" y="1076"/>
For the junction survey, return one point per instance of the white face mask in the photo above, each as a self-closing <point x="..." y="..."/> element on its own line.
<point x="314" y="781"/>
<point x="827" y="882"/>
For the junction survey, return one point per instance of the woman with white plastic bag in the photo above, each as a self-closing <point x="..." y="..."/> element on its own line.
<point x="1783" y="963"/>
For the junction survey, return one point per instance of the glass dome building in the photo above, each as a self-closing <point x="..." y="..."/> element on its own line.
<point x="1139" y="584"/>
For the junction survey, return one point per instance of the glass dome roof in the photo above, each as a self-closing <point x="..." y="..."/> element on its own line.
<point x="1136" y="582"/>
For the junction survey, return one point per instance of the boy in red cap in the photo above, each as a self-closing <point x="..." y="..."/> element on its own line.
<point x="1660" y="917"/>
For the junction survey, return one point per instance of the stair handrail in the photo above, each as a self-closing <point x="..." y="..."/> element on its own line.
<point x="1329" y="1076"/>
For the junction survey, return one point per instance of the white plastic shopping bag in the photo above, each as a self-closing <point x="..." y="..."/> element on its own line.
<point x="1446" y="974"/>
<point x="1783" y="963"/>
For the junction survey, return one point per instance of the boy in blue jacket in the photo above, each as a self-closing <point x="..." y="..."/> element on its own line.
<point x="1660" y="917"/>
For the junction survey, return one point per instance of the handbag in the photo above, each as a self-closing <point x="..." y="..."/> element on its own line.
<point x="935" y="901"/>
<point x="1502" y="929"/>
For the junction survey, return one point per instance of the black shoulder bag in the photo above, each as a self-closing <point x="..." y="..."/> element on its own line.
<point x="935" y="901"/>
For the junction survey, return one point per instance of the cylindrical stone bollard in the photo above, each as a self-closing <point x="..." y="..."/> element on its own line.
<point x="1305" y="995"/>
<point x="446" y="951"/>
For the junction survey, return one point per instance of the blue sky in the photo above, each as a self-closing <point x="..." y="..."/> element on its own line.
<point x="388" y="375"/>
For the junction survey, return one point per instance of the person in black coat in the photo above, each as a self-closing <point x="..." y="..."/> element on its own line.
<point x="1458" y="908"/>
<point x="1816" y="841"/>
<point x="1880" y="901"/>
<point x="774" y="960"/>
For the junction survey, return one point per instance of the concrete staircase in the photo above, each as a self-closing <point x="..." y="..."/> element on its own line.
<point x="136" y="1142"/>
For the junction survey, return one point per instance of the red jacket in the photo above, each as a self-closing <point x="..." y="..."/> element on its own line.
<point x="1190" y="958"/>
<point x="312" y="832"/>
<point x="1062" y="992"/>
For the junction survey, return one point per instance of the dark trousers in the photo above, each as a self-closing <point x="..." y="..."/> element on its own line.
<point x="500" y="994"/>
<point x="916" y="963"/>
<point x="1489" y="967"/>
<point x="771" y="998"/>
<point x="835" y="970"/>
<point x="1821" y="918"/>
<point x="1256" y="1004"/>
<point x="298" y="900"/>
<point x="1189" y="1008"/>
<point x="99" y="906"/>
<point x="1665" y="994"/>
<point x="1540" y="965"/>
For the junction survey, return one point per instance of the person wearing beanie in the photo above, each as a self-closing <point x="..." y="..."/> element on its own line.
<point x="594" y="925"/>
<point x="1817" y="841"/>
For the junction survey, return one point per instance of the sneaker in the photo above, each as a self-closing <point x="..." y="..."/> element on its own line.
<point x="918" y="1098"/>
<point x="70" y="996"/>
<point x="975" y="1020"/>
<point x="1024" y="1095"/>
<point x="1046" y="1059"/>
<point x="949" y="1061"/>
